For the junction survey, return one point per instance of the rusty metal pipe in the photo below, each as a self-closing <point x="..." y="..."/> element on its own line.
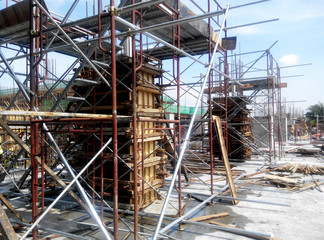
<point x="75" y="180"/>
<point x="99" y="28"/>
<point x="114" y="113"/>
<point x="134" y="96"/>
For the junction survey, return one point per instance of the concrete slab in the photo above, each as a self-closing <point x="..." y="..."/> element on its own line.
<point x="171" y="211"/>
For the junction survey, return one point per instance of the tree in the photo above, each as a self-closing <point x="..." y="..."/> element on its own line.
<point x="314" y="111"/>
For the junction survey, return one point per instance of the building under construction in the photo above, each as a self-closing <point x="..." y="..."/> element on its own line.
<point x="107" y="148"/>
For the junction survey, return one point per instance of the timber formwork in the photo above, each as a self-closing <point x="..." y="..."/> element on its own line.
<point x="241" y="123"/>
<point x="151" y="161"/>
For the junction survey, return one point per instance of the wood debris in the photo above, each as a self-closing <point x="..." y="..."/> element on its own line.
<point x="207" y="217"/>
<point x="299" y="168"/>
<point x="306" y="186"/>
<point x="282" y="180"/>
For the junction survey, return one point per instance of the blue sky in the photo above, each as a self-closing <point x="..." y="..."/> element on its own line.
<point x="299" y="33"/>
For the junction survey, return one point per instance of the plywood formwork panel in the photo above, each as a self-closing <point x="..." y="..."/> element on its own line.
<point x="147" y="106"/>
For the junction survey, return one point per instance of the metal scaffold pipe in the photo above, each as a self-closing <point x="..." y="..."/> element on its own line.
<point x="138" y="5"/>
<point x="126" y="23"/>
<point x="72" y="42"/>
<point x="186" y="140"/>
<point x="65" y="191"/>
<point x="81" y="190"/>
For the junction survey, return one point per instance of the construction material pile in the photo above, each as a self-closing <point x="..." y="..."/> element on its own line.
<point x="286" y="178"/>
<point x="299" y="168"/>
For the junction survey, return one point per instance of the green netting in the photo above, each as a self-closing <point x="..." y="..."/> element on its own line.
<point x="48" y="104"/>
<point x="168" y="99"/>
<point x="183" y="109"/>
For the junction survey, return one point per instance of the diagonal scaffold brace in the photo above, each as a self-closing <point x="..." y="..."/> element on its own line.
<point x="186" y="140"/>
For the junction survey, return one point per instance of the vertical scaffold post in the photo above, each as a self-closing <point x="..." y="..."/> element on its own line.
<point x="210" y="108"/>
<point x="34" y="131"/>
<point x="114" y="113"/>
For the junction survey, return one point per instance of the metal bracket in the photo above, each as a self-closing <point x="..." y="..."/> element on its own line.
<point x="129" y="33"/>
<point x="34" y="33"/>
<point x="113" y="11"/>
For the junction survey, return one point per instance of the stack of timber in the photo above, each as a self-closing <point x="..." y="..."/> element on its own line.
<point x="287" y="179"/>
<point x="299" y="168"/>
<point x="238" y="149"/>
<point x="150" y="161"/>
<point x="292" y="183"/>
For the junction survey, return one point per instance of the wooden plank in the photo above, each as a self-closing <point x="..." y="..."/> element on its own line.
<point x="11" y="208"/>
<point x="148" y="88"/>
<point x="221" y="224"/>
<point x="8" y="233"/>
<point x="225" y="158"/>
<point x="308" y="186"/>
<point x="207" y="217"/>
<point x="55" y="114"/>
<point x="283" y="180"/>
<point x="51" y="237"/>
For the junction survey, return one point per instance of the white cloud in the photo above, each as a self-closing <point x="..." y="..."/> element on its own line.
<point x="249" y="30"/>
<point x="290" y="59"/>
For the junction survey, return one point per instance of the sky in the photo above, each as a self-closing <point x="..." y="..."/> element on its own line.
<point x="300" y="35"/>
<point x="299" y="32"/>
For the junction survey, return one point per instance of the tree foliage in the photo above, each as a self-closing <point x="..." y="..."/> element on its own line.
<point x="314" y="111"/>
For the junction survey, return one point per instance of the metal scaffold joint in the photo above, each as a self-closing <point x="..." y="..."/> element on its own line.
<point x="34" y="33"/>
<point x="113" y="11"/>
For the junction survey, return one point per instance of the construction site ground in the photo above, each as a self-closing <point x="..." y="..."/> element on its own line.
<point x="264" y="208"/>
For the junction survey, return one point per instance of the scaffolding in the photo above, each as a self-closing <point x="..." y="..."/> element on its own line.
<point x="114" y="121"/>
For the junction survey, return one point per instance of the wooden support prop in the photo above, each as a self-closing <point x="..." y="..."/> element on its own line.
<point x="281" y="180"/>
<point x="8" y="233"/>
<point x="11" y="208"/>
<point x="207" y="217"/>
<point x="47" y="168"/>
<point x="225" y="158"/>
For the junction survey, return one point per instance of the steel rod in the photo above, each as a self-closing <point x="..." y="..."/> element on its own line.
<point x="193" y="210"/>
<point x="126" y="23"/>
<point x="174" y="22"/>
<point x="246" y="200"/>
<point x="138" y="5"/>
<point x="64" y="191"/>
<point x="81" y="190"/>
<point x="251" y="24"/>
<point x="73" y="236"/>
<point x="185" y="142"/>
<point x="114" y="112"/>
<point x="252" y="234"/>
<point x="72" y="42"/>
